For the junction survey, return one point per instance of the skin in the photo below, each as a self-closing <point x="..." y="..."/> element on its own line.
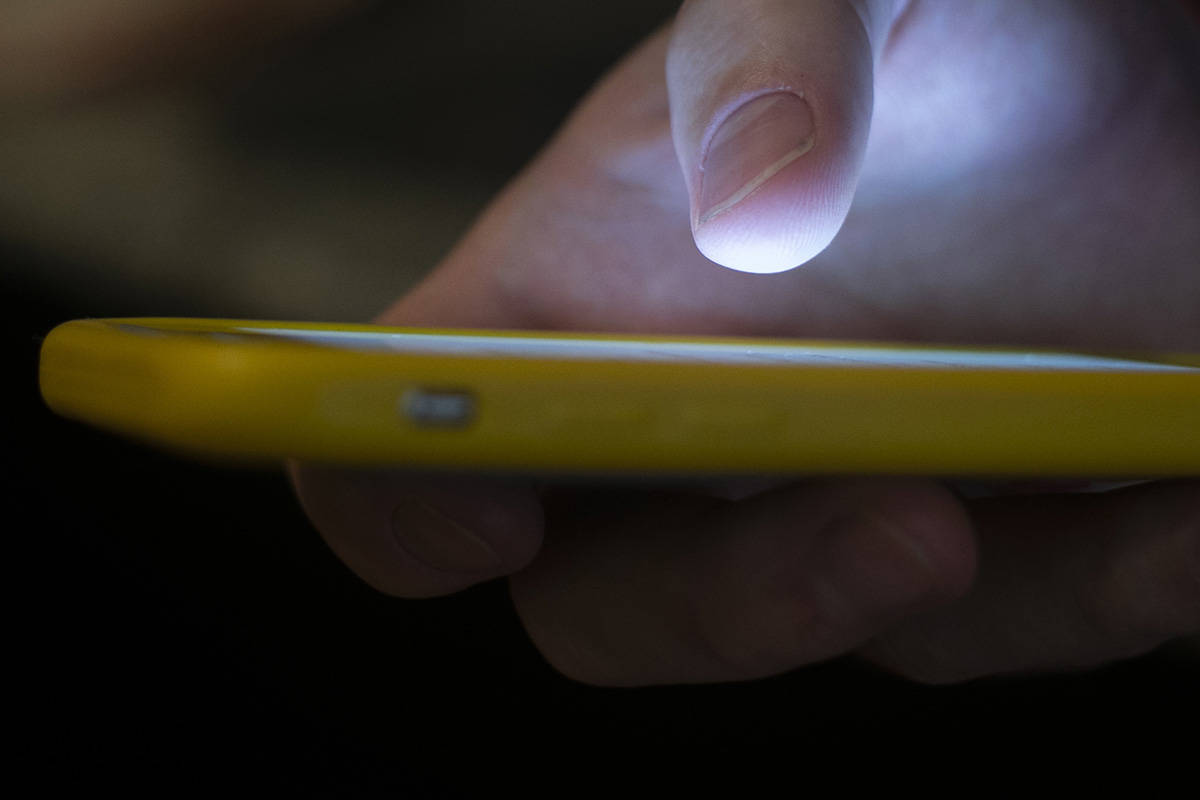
<point x="1016" y="173"/>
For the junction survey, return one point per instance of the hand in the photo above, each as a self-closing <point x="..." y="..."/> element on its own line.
<point x="1003" y="172"/>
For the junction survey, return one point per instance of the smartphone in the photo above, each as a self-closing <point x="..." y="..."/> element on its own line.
<point x="598" y="404"/>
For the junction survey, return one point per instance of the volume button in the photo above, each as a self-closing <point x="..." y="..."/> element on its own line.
<point x="438" y="408"/>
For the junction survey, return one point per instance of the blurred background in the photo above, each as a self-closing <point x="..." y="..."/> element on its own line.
<point x="312" y="177"/>
<point x="179" y="623"/>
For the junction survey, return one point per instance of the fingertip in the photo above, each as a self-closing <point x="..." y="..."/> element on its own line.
<point x="878" y="549"/>
<point x="770" y="111"/>
<point x="779" y="229"/>
<point x="421" y="537"/>
<point x="885" y="551"/>
<point x="930" y="536"/>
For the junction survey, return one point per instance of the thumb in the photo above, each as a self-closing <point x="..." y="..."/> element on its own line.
<point x="770" y="109"/>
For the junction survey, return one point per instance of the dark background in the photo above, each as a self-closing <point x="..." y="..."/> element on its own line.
<point x="178" y="624"/>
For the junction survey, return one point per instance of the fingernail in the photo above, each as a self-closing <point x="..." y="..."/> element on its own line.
<point x="431" y="536"/>
<point x="751" y="147"/>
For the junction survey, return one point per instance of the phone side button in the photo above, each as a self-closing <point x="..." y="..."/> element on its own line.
<point x="438" y="408"/>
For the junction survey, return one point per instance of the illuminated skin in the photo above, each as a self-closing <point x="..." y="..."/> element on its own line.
<point x="1015" y="172"/>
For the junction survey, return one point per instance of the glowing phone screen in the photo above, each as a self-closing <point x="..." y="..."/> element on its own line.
<point x="715" y="352"/>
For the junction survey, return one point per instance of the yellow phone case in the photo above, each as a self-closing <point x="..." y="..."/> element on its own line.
<point x="271" y="390"/>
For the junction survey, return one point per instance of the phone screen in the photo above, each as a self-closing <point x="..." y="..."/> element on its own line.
<point x="520" y="346"/>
